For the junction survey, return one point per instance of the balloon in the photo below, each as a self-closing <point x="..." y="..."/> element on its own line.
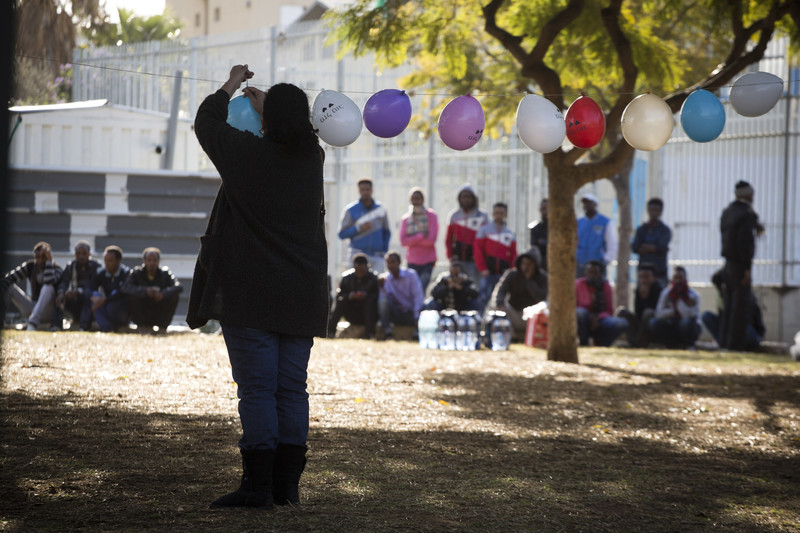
<point x="387" y="113"/>
<point x="586" y="123"/>
<point x="336" y="118"/>
<point x="461" y="123"/>
<point x="540" y="124"/>
<point x="702" y="116"/>
<point x="242" y="116"/>
<point x="756" y="93"/>
<point x="647" y="122"/>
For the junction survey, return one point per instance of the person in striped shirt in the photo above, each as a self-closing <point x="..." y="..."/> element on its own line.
<point x="42" y="274"/>
<point x="463" y="224"/>
<point x="495" y="251"/>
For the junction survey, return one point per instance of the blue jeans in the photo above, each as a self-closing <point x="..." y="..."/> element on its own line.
<point x="751" y="338"/>
<point x="424" y="273"/>
<point x="674" y="332"/>
<point x="112" y="315"/>
<point x="486" y="286"/>
<point x="391" y="314"/>
<point x="270" y="371"/>
<point x="608" y="328"/>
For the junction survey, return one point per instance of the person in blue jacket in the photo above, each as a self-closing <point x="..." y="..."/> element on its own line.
<point x="597" y="236"/>
<point x="652" y="240"/>
<point x="366" y="223"/>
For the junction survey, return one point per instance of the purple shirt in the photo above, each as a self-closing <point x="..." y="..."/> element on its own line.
<point x="404" y="291"/>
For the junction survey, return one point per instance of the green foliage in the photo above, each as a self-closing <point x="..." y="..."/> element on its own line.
<point x="135" y="29"/>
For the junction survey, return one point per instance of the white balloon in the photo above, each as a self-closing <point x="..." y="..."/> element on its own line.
<point x="540" y="124"/>
<point x="647" y="122"/>
<point x="755" y="93"/>
<point x="336" y="118"/>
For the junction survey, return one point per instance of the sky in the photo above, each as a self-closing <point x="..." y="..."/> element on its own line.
<point x="143" y="8"/>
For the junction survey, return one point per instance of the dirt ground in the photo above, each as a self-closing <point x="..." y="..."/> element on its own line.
<point x="104" y="432"/>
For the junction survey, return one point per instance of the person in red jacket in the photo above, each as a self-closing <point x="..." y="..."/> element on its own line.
<point x="495" y="251"/>
<point x="595" y="308"/>
<point x="463" y="224"/>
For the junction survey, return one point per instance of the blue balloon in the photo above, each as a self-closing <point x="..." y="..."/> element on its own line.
<point x="702" y="116"/>
<point x="242" y="116"/>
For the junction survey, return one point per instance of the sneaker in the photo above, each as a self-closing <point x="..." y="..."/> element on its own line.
<point x="32" y="326"/>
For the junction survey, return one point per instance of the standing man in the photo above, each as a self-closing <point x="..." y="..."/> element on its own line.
<point x="652" y="238"/>
<point x="153" y="292"/>
<point x="42" y="274"/>
<point x="739" y="226"/>
<point x="73" y="288"/>
<point x="539" y="233"/>
<point x="597" y="237"/>
<point x="109" y="303"/>
<point x="400" y="299"/>
<point x="495" y="251"/>
<point x="418" y="231"/>
<point x="463" y="224"/>
<point x="366" y="224"/>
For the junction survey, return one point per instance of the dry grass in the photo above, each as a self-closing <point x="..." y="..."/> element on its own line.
<point x="127" y="432"/>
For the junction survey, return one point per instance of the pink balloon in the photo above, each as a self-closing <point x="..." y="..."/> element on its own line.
<point x="461" y="123"/>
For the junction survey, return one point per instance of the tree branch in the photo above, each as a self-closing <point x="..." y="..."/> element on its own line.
<point x="622" y="46"/>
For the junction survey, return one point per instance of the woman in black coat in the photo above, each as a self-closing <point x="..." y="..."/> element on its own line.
<point x="262" y="272"/>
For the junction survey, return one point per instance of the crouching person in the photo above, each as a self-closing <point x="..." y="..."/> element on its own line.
<point x="109" y="303"/>
<point x="152" y="292"/>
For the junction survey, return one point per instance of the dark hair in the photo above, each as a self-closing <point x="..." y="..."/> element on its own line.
<point x="598" y="264"/>
<point x="501" y="204"/>
<point x="395" y="254"/>
<point x="41" y="246"/>
<point x="150" y="250"/>
<point x="360" y="259"/>
<point x="116" y="250"/>
<point x="656" y="201"/>
<point x="681" y="269"/>
<point x="286" y="117"/>
<point x="364" y="180"/>
<point x="646" y="266"/>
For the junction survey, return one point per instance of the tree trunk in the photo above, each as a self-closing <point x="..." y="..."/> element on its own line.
<point x="561" y="264"/>
<point x="622" y="183"/>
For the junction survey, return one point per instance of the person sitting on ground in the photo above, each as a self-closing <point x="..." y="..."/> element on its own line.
<point x="520" y="287"/>
<point x="152" y="292"/>
<point x="453" y="289"/>
<point x="109" y="303"/>
<point x="357" y="298"/>
<point x="755" y="327"/>
<point x="676" y="319"/>
<point x="648" y="289"/>
<point x="400" y="299"/>
<point x="594" y="308"/>
<point x="42" y="274"/>
<point x="73" y="288"/>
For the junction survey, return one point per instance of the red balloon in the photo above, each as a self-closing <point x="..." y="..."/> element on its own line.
<point x="586" y="123"/>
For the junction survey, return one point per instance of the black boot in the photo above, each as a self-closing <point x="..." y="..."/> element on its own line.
<point x="290" y="461"/>
<point x="255" y="489"/>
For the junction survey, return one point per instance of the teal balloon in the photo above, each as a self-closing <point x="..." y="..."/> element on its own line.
<point x="242" y="116"/>
<point x="702" y="116"/>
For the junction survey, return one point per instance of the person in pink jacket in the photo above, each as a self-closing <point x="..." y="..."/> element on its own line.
<point x="418" y="231"/>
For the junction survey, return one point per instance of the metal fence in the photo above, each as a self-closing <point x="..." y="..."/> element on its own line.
<point x="695" y="180"/>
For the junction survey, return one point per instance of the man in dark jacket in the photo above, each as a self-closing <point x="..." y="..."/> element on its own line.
<point x="453" y="290"/>
<point x="519" y="288"/>
<point x="152" y="292"/>
<point x="539" y="233"/>
<point x="755" y="320"/>
<point x="357" y="297"/>
<point x="652" y="238"/>
<point x="648" y="289"/>
<point x="738" y="226"/>
<point x="73" y="287"/>
<point x="109" y="303"/>
<point x="42" y="274"/>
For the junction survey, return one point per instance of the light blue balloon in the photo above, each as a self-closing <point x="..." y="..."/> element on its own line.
<point x="702" y="116"/>
<point x="242" y="116"/>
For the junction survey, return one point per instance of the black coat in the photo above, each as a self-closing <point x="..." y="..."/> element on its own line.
<point x="263" y="260"/>
<point x="738" y="226"/>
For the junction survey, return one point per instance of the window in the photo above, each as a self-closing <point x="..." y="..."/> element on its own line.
<point x="197" y="20"/>
<point x="216" y="14"/>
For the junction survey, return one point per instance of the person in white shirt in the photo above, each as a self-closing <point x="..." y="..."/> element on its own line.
<point x="676" y="321"/>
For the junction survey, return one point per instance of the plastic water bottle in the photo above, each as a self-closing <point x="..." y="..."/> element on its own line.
<point x="427" y="327"/>
<point x="467" y="337"/>
<point x="446" y="333"/>
<point x="498" y="330"/>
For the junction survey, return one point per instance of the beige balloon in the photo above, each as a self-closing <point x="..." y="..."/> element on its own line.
<point x="647" y="122"/>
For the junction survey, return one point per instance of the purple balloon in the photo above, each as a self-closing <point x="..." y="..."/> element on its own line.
<point x="461" y="123"/>
<point x="387" y="113"/>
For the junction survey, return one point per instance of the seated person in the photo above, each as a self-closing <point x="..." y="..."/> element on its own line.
<point x="357" y="298"/>
<point x="73" y="288"/>
<point x="109" y="303"/>
<point x="648" y="289"/>
<point x="755" y="327"/>
<point x="594" y="308"/>
<point x="453" y="289"/>
<point x="152" y="292"/>
<point x="400" y="297"/>
<point x="42" y="274"/>
<point x="676" y="319"/>
<point x="520" y="287"/>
